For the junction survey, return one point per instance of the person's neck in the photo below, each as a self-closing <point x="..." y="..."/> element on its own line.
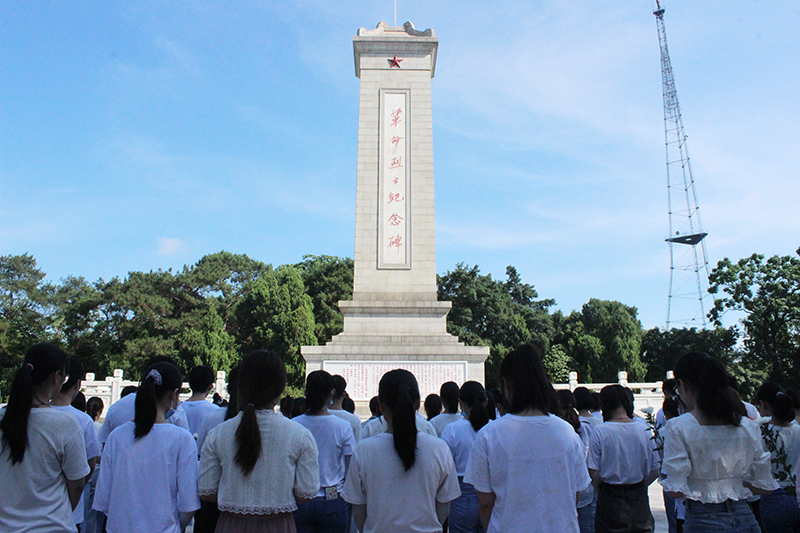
<point x="62" y="400"/>
<point x="584" y="412"/>
<point x="530" y="411"/>
<point x="320" y="412"/>
<point x="619" y="415"/>
<point x="198" y="396"/>
<point x="777" y="422"/>
<point x="336" y="405"/>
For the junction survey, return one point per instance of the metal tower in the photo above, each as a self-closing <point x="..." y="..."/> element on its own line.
<point x="688" y="272"/>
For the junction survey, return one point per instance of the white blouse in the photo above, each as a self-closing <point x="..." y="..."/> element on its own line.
<point x="288" y="466"/>
<point x="709" y="464"/>
<point x="788" y="438"/>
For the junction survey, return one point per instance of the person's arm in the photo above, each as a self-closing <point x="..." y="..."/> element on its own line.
<point x="652" y="476"/>
<point x="755" y="490"/>
<point x="209" y="497"/>
<point x="185" y="518"/>
<point x="485" y="506"/>
<point x="92" y="464"/>
<point x="442" y="511"/>
<point x="595" y="475"/>
<point x="74" y="490"/>
<point x="360" y="516"/>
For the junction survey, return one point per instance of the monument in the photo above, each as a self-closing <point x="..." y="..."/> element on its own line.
<point x="394" y="319"/>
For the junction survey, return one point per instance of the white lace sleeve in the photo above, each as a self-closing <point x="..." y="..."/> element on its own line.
<point x="676" y="466"/>
<point x="210" y="467"/>
<point x="306" y="474"/>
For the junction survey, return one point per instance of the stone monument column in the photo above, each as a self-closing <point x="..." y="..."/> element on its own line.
<point x="395" y="319"/>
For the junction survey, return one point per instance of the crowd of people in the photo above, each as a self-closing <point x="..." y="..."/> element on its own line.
<point x="521" y="458"/>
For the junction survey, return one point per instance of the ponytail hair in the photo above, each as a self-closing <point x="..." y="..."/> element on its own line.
<point x="41" y="361"/>
<point x="319" y="385"/>
<point x="613" y="397"/>
<point x="94" y="406"/>
<point x="711" y="383"/>
<point x="473" y="395"/>
<point x="781" y="403"/>
<point x="233" y="393"/>
<point x="262" y="379"/>
<point x="398" y="390"/>
<point x="566" y="409"/>
<point x="159" y="380"/>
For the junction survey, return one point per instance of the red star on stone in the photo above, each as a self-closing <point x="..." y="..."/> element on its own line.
<point x="394" y="62"/>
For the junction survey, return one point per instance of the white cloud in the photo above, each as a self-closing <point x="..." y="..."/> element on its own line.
<point x="167" y="246"/>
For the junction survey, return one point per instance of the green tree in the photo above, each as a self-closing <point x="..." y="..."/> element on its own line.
<point x="499" y="314"/>
<point x="327" y="280"/>
<point x="768" y="293"/>
<point x="207" y="343"/>
<point x="602" y="340"/>
<point x="278" y="315"/>
<point x="660" y="349"/>
<point x="25" y="311"/>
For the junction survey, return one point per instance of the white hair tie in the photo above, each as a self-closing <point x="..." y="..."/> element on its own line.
<point x="155" y="375"/>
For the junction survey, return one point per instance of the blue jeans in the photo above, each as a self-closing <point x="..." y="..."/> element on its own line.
<point x="322" y="516"/>
<point x="672" y="515"/>
<point x="727" y="517"/>
<point x="464" y="513"/>
<point x="779" y="512"/>
<point x="92" y="520"/>
<point x="586" y="518"/>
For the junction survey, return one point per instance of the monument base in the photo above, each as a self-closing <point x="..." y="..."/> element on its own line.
<point x="380" y="336"/>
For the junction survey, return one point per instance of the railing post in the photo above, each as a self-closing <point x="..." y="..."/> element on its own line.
<point x="623" y="378"/>
<point x="573" y="381"/>
<point x="221" y="387"/>
<point x="89" y="376"/>
<point x="116" y="385"/>
<point x="670" y="374"/>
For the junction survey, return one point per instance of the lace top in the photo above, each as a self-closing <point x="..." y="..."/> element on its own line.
<point x="710" y="463"/>
<point x="288" y="466"/>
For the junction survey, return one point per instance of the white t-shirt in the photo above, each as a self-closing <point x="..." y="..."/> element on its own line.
<point x="710" y="463"/>
<point x="196" y="411"/>
<point x="535" y="466"/>
<point x="352" y="419"/>
<point x="211" y="421"/>
<point x="752" y="412"/>
<point x="591" y="420"/>
<point x="124" y="410"/>
<point x="460" y="436"/>
<point x="335" y="441"/>
<point x="145" y="483"/>
<point x="91" y="442"/>
<point x="398" y="499"/>
<point x="441" y="421"/>
<point x="376" y="426"/>
<point x="622" y="452"/>
<point x="33" y="493"/>
<point x="787" y="438"/>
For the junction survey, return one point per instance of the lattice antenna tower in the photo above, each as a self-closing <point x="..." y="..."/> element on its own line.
<point x="688" y="271"/>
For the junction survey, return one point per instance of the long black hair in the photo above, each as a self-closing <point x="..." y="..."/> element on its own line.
<point x="233" y="393"/>
<point x="398" y="389"/>
<point x="526" y="381"/>
<point x="473" y="395"/>
<point x="319" y="385"/>
<point x="262" y="379"/>
<point x="449" y="393"/>
<point x="781" y="403"/>
<point x="710" y="381"/>
<point x="159" y="380"/>
<point x="566" y="409"/>
<point x="41" y="362"/>
<point x="613" y="397"/>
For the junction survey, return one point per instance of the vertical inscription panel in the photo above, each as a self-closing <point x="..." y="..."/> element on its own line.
<point x="394" y="180"/>
<point x="363" y="377"/>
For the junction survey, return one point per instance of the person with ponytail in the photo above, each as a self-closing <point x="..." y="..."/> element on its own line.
<point x="623" y="462"/>
<point x="401" y="479"/>
<point x="527" y="466"/>
<point x="713" y="457"/>
<point x="460" y="436"/>
<point x="327" y="512"/>
<point x="781" y="436"/>
<point x="148" y="478"/>
<point x="258" y="464"/>
<point x="378" y="425"/>
<point x="42" y="451"/>
<point x="205" y="521"/>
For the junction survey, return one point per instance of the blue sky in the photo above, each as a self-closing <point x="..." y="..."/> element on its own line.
<point x="140" y="135"/>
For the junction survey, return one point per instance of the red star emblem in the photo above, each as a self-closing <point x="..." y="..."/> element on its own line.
<point x="394" y="62"/>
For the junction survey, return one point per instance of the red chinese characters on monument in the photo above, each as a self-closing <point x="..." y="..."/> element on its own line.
<point x="395" y="220"/>
<point x="395" y="241"/>
<point x="396" y="162"/>
<point x="396" y="116"/>
<point x="395" y="197"/>
<point x="396" y="141"/>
